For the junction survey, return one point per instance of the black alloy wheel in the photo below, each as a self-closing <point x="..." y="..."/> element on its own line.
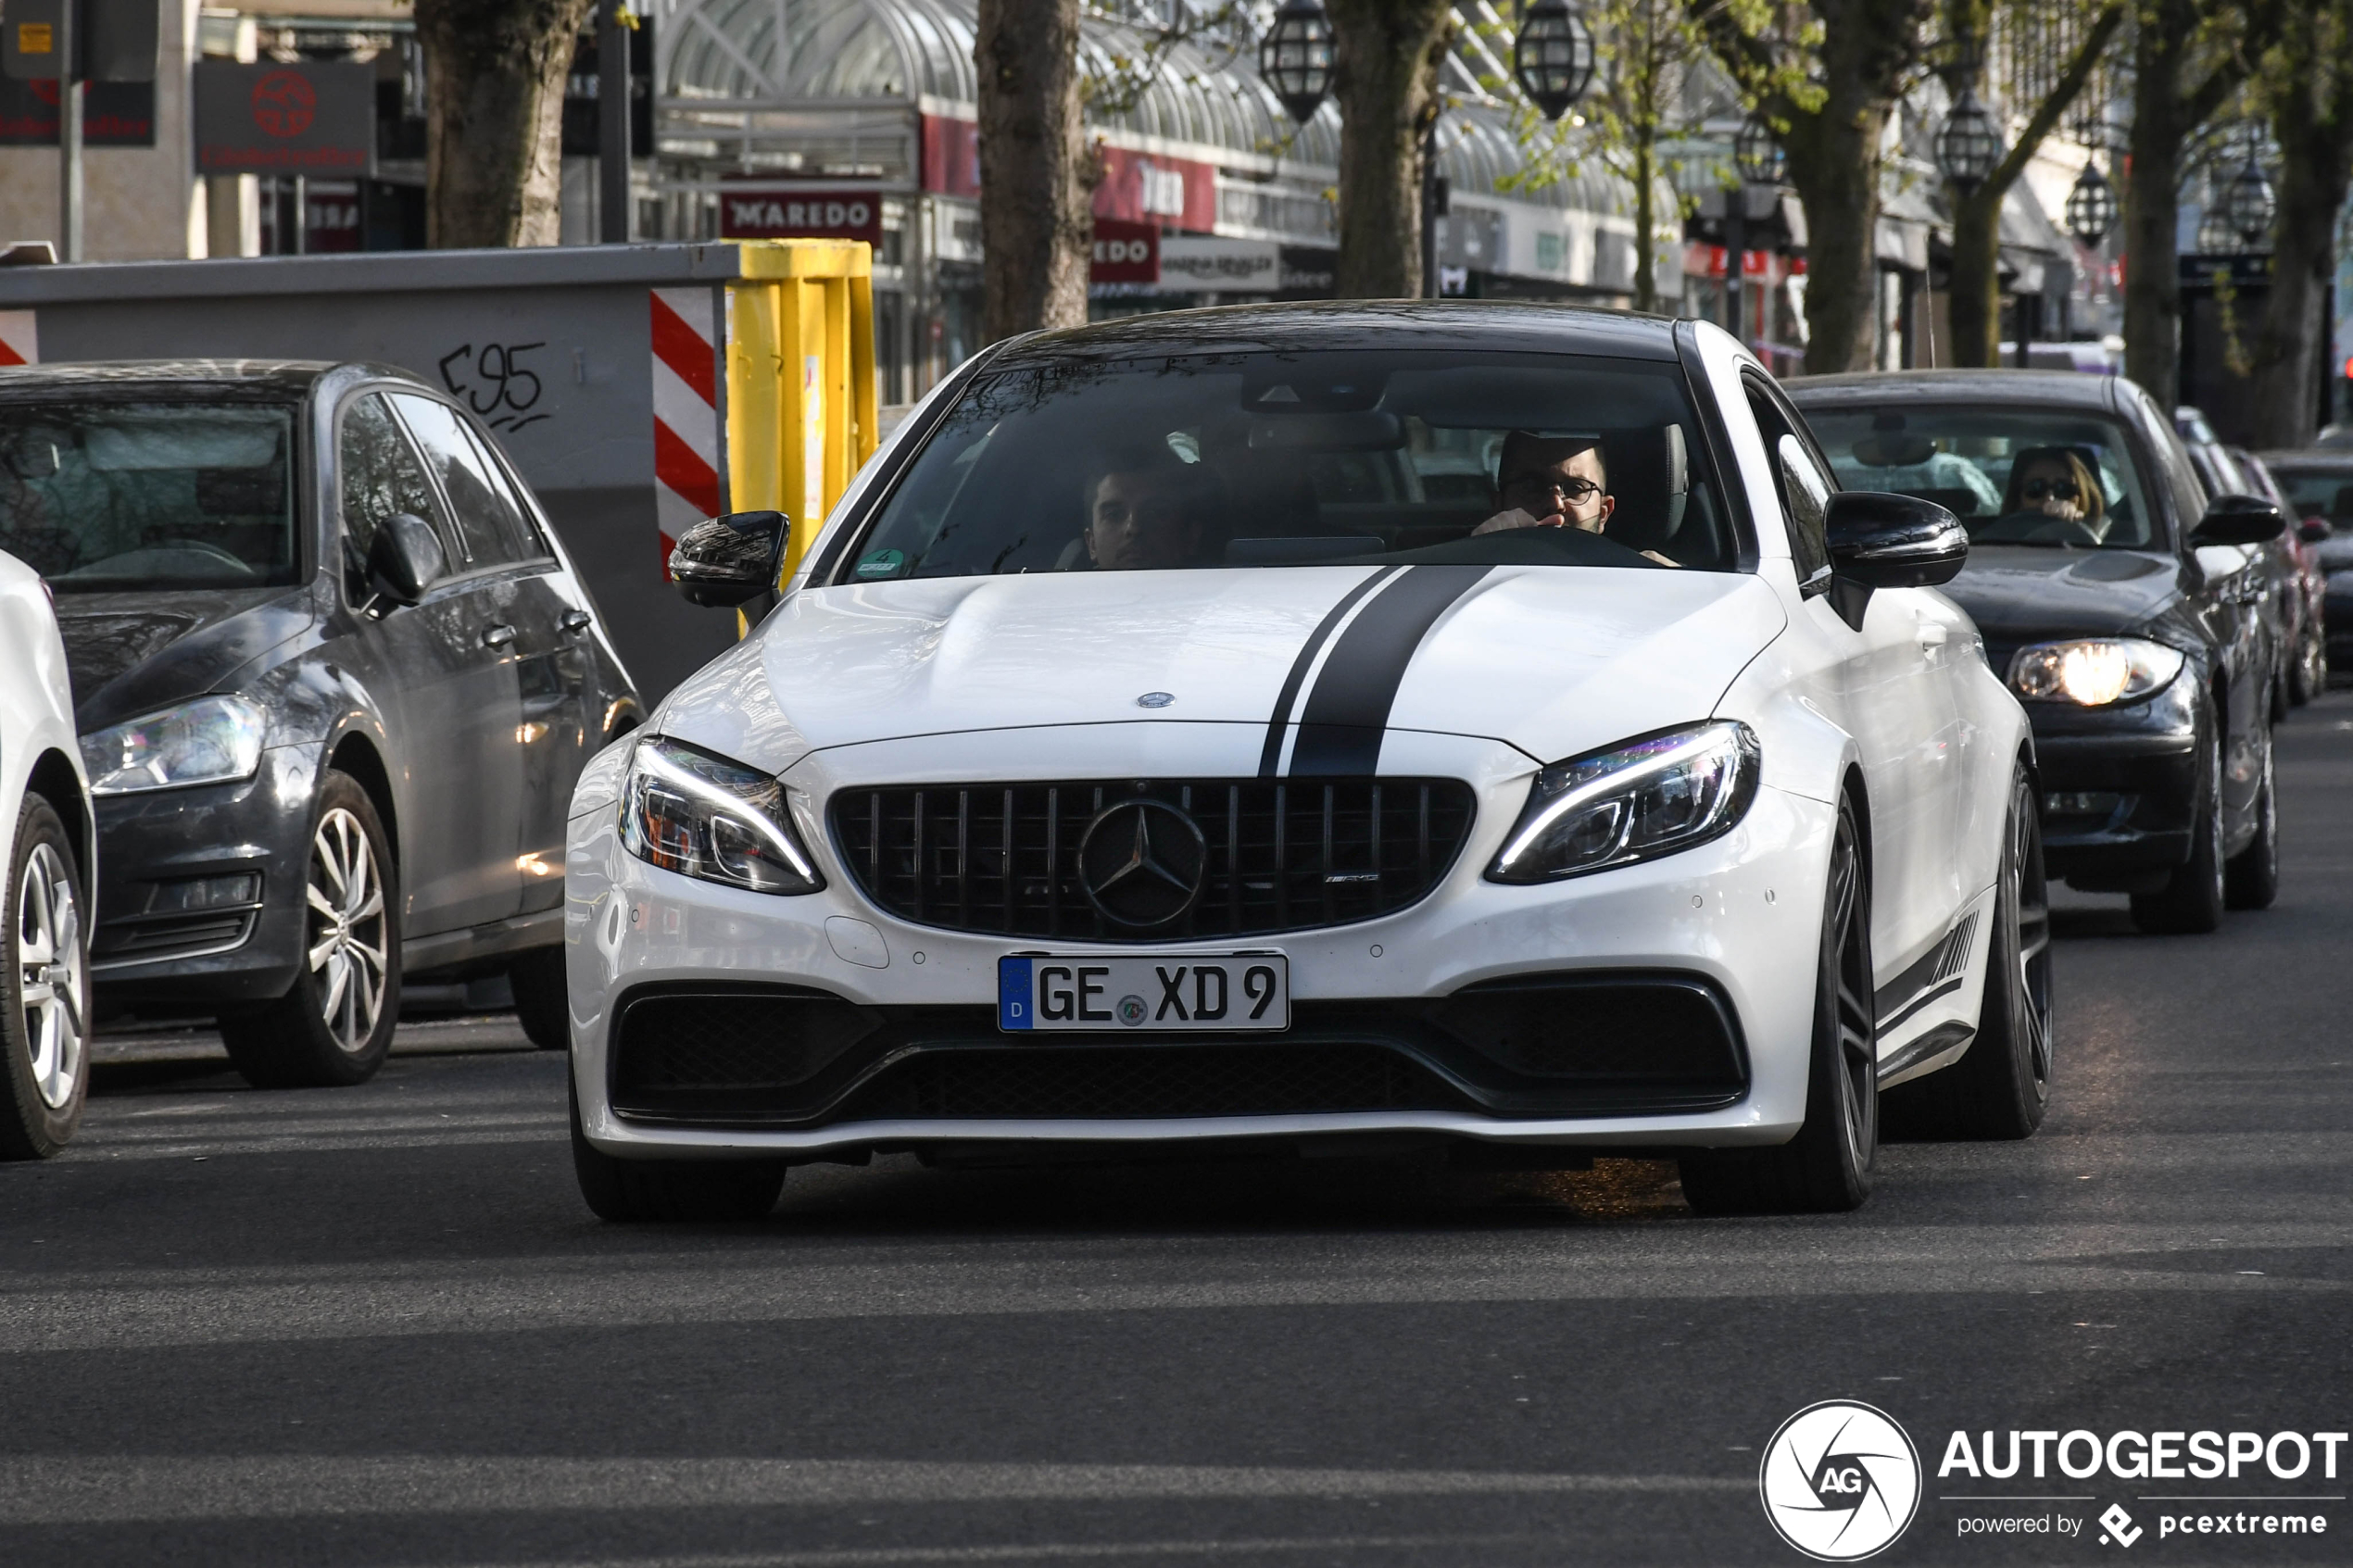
<point x="334" y="1027"/>
<point x="675" y="1190"/>
<point x="1827" y="1167"/>
<point x="2190" y="903"/>
<point x="2251" y="879"/>
<point x="538" y="980"/>
<point x="2002" y="1084"/>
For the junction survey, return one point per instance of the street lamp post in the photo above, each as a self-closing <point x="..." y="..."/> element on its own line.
<point x="1553" y="57"/>
<point x="2091" y="207"/>
<point x="2250" y="204"/>
<point x="1295" y="57"/>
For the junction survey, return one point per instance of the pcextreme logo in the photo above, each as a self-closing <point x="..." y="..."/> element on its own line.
<point x="1840" y="1481"/>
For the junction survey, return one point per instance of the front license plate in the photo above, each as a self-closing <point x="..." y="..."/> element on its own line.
<point x="1108" y="995"/>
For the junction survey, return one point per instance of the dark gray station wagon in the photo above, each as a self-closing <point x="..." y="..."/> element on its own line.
<point x="334" y="679"/>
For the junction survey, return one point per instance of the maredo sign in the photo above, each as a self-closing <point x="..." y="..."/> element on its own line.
<point x="1124" y="253"/>
<point x="790" y="213"/>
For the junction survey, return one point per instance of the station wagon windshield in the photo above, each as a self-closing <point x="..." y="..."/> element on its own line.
<point x="1266" y="460"/>
<point x="2013" y="476"/>
<point x="110" y="497"/>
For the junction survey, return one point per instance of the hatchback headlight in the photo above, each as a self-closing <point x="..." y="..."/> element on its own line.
<point x="703" y="816"/>
<point x="212" y="740"/>
<point x="1639" y="801"/>
<point x="2094" y="671"/>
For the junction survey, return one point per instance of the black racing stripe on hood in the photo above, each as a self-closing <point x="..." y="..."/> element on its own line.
<point x="1299" y="666"/>
<point x="1342" y="723"/>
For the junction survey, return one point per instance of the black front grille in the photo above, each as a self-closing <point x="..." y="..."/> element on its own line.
<point x="1283" y="855"/>
<point x="1114" y="1081"/>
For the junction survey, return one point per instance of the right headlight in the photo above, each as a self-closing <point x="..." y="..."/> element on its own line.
<point x="211" y="740"/>
<point x="2093" y="671"/>
<point x="702" y="816"/>
<point x="1636" y="802"/>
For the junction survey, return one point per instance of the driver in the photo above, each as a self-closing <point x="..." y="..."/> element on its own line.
<point x="1554" y="482"/>
<point x="2054" y="482"/>
<point x="1143" y="513"/>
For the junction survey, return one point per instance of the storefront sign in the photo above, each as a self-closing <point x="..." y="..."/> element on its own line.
<point x="1216" y="266"/>
<point x="308" y="118"/>
<point x="797" y="213"/>
<point x="114" y="114"/>
<point x="1124" y="253"/>
<point x="1151" y="187"/>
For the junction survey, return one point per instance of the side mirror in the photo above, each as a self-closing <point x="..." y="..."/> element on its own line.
<point x="2240" y="519"/>
<point x="1880" y="540"/>
<point x="730" y="559"/>
<point x="405" y="558"/>
<point x="2313" y="530"/>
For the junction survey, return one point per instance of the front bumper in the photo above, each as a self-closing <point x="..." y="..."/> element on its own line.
<point x="1736" y="921"/>
<point x="2119" y="787"/>
<point x="200" y="889"/>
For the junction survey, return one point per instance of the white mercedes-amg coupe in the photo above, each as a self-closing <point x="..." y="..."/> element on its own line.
<point x="1474" y="724"/>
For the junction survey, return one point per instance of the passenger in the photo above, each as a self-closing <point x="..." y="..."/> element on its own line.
<point x="1144" y="512"/>
<point x="2054" y="482"/>
<point x="1554" y="482"/>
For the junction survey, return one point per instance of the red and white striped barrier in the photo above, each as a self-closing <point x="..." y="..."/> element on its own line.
<point x="20" y="338"/>
<point x="686" y="367"/>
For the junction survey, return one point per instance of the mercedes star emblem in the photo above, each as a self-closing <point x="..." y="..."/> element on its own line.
<point x="1141" y="862"/>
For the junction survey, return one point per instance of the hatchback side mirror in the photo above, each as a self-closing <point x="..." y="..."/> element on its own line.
<point x="2313" y="530"/>
<point x="405" y="558"/>
<point x="2240" y="519"/>
<point x="730" y="559"/>
<point x="1881" y="540"/>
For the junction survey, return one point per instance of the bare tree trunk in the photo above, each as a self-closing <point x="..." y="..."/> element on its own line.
<point x="494" y="118"/>
<point x="1977" y="276"/>
<point x="1834" y="164"/>
<point x="2312" y="120"/>
<point x="1037" y="174"/>
<point x="1386" y="56"/>
<point x="1646" y="225"/>
<point x="2152" y="198"/>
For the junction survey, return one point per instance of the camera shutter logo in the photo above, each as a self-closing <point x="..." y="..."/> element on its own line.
<point x="1840" y="1481"/>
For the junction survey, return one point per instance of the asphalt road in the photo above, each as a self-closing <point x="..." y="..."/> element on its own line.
<point x="376" y="1327"/>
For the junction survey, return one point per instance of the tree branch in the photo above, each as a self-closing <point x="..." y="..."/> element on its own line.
<point x="2063" y="94"/>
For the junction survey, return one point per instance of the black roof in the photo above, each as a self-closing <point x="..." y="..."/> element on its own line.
<point x="284" y="377"/>
<point x="1496" y="326"/>
<point x="2070" y="389"/>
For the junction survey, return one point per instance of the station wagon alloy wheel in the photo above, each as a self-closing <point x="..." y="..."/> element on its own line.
<point x="347" y="951"/>
<point x="53" y="984"/>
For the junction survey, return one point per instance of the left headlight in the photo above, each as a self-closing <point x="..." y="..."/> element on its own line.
<point x="702" y="816"/>
<point x="1637" y="802"/>
<point x="212" y="740"/>
<point x="2094" y="671"/>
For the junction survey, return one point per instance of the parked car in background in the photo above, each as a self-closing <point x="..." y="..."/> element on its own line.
<point x="2318" y="484"/>
<point x="2126" y="607"/>
<point x="334" y="678"/>
<point x="2303" y="583"/>
<point x="49" y="853"/>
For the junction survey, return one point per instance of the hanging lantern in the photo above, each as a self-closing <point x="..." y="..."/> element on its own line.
<point x="1757" y="153"/>
<point x="1295" y="57"/>
<point x="1968" y="145"/>
<point x="2248" y="206"/>
<point x="1553" y="57"/>
<point x="2091" y="207"/>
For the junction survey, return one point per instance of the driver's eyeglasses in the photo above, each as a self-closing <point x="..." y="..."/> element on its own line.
<point x="1574" y="492"/>
<point x="2051" y="489"/>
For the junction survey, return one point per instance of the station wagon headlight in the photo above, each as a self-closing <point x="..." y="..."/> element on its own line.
<point x="702" y="816"/>
<point x="212" y="740"/>
<point x="1637" y="802"/>
<point x="2094" y="672"/>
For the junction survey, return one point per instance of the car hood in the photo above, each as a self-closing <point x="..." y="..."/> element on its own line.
<point x="1554" y="660"/>
<point x="2020" y="593"/>
<point x="134" y="654"/>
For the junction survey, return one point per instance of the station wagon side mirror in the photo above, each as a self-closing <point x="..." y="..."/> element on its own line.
<point x="405" y="558"/>
<point x="2240" y="519"/>
<point x="730" y="559"/>
<point x="1881" y="540"/>
<point x="2314" y="529"/>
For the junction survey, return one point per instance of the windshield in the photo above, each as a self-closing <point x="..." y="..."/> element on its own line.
<point x="1282" y="459"/>
<point x="2318" y="492"/>
<point x="2013" y="476"/>
<point x="104" y="498"/>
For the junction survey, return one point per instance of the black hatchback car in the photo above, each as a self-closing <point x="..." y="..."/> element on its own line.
<point x="2128" y="614"/>
<point x="334" y="679"/>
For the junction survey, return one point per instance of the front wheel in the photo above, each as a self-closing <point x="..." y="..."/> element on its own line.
<point x="2251" y="879"/>
<point x="2191" y="901"/>
<point x="538" y="980"/>
<point x="44" y="992"/>
<point x="677" y="1190"/>
<point x="334" y="1027"/>
<point x="1827" y="1167"/>
<point x="2309" y="676"/>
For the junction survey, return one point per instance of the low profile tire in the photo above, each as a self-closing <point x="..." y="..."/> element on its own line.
<point x="2307" y="676"/>
<point x="683" y="1191"/>
<point x="2190" y="904"/>
<point x="538" y="980"/>
<point x="44" y="992"/>
<point x="334" y="1026"/>
<point x="2251" y="879"/>
<point x="2002" y="1084"/>
<point x="1827" y="1167"/>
